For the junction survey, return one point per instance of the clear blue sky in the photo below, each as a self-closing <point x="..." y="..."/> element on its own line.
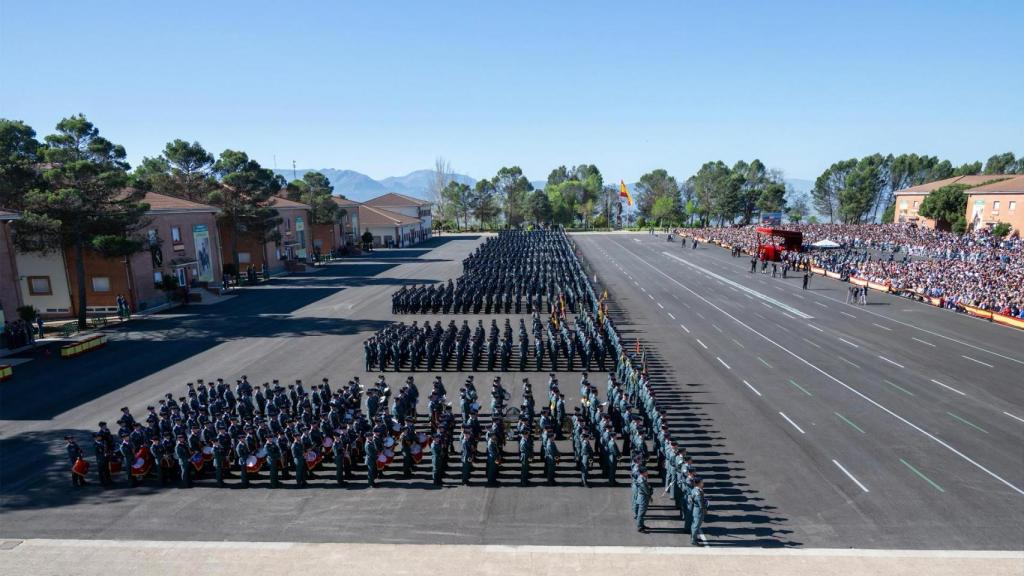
<point x="385" y="87"/>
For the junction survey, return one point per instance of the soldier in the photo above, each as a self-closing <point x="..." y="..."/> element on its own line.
<point x="642" y="499"/>
<point x="493" y="459"/>
<point x="550" y="458"/>
<point x="242" y="453"/>
<point x="586" y="457"/>
<point x="298" y="460"/>
<point x="525" y="456"/>
<point x="99" y="447"/>
<point x="182" y="454"/>
<point x="220" y="462"/>
<point x="371" y="451"/>
<point x="437" y="456"/>
<point x="698" y="506"/>
<point x="468" y="453"/>
<point x="127" y="458"/>
<point x="74" y="454"/>
<point x="273" y="459"/>
<point x="340" y="452"/>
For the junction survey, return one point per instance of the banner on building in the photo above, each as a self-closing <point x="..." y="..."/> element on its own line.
<point x="771" y="218"/>
<point x="300" y="236"/>
<point x="204" y="257"/>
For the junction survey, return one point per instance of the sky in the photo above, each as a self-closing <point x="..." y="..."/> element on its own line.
<point x="385" y="88"/>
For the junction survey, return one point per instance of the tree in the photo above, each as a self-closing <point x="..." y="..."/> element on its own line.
<point x="443" y="175"/>
<point x="772" y="197"/>
<point x="968" y="169"/>
<point x="83" y="203"/>
<point x="827" y="187"/>
<point x="456" y="200"/>
<point x="20" y="154"/>
<point x="315" y="190"/>
<point x="483" y="202"/>
<point x="1001" y="229"/>
<point x="1001" y="164"/>
<point x="663" y="209"/>
<point x="246" y="189"/>
<point x="511" y="188"/>
<point x="538" y="207"/>
<point x="191" y="168"/>
<point x="945" y="205"/>
<point x="798" y="208"/>
<point x="890" y="214"/>
<point x="710" y="183"/>
<point x="653" y="185"/>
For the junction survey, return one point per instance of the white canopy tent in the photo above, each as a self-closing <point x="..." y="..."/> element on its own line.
<point x="826" y="244"/>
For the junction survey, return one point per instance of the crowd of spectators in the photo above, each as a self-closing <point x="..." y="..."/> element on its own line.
<point x="974" y="269"/>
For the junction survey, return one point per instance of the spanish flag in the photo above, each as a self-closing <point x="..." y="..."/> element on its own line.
<point x="624" y="193"/>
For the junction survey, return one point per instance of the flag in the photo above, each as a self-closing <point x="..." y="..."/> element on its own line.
<point x="624" y="193"/>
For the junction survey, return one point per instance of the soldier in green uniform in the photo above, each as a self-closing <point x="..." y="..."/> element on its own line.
<point x="371" y="451"/>
<point x="525" y="456"/>
<point x="273" y="460"/>
<point x="698" y="506"/>
<point x="550" y="458"/>
<point x="642" y="500"/>
<point x="493" y="459"/>
<point x="219" y="462"/>
<point x="242" y="453"/>
<point x="468" y="449"/>
<point x="299" y="460"/>
<point x="586" y="456"/>
<point x="182" y="454"/>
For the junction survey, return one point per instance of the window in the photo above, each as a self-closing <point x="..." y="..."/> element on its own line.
<point x="181" y="276"/>
<point x="158" y="278"/>
<point x="915" y="203"/>
<point x="1013" y="205"/>
<point x="39" y="286"/>
<point x="101" y="284"/>
<point x="995" y="205"/>
<point x="903" y="205"/>
<point x="176" y="242"/>
<point x="244" y="258"/>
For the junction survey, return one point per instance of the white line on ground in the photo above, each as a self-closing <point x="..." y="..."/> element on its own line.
<point x="749" y="296"/>
<point x="685" y="328"/>
<point x="671" y="316"/>
<point x="850" y="343"/>
<point x="635" y="282"/>
<point x="701" y="316"/>
<point x="660" y="306"/>
<point x="651" y="297"/>
<point x="812" y="343"/>
<point x="738" y="286"/>
<point x="702" y="344"/>
<point x="815" y="327"/>
<point x="794" y="295"/>
<point x="848" y="362"/>
<point x="850" y="476"/>
<point x="822" y="305"/>
<point x="864" y="396"/>
<point x="715" y="326"/>
<point x="643" y="289"/>
<point x="882" y="327"/>
<point x="766" y="305"/>
<point x="793" y="423"/>
<point x="978" y="361"/>
<point x="755" y="389"/>
<point x="891" y="362"/>
<point x="923" y="342"/>
<point x="1014" y="417"/>
<point x="759" y="316"/>
<point x="733" y="289"/>
<point x="948" y="386"/>
<point x="788" y="316"/>
<point x="723" y="363"/>
<point x="738" y="343"/>
<point x="846" y="314"/>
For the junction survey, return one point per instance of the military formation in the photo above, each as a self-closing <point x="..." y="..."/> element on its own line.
<point x="219" y="434"/>
<point x="578" y="343"/>
<point x="514" y="272"/>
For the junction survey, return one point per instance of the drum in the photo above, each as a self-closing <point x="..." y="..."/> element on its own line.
<point x="312" y="459"/>
<point x="261" y="454"/>
<point x="396" y="427"/>
<point x="115" y="466"/>
<point x="389" y="455"/>
<point x="140" y="467"/>
<point x="475" y="406"/>
<point x="389" y="442"/>
<point x="207" y="453"/>
<point x="382" y="461"/>
<point x="421" y="438"/>
<point x="81" y="467"/>
<point x="197" y="461"/>
<point x="416" y="451"/>
<point x="253" y="464"/>
<point x="328" y="442"/>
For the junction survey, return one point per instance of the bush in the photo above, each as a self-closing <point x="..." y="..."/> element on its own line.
<point x="230" y="269"/>
<point x="1001" y="229"/>
<point x="28" y="313"/>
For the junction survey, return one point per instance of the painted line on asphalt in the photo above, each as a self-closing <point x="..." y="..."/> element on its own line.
<point x="850" y="476"/>
<point x="1014" y="417"/>
<point x="651" y="297"/>
<point x="643" y="289"/>
<point x="660" y="306"/>
<point x="738" y="343"/>
<point x="850" y="363"/>
<point x="848" y="342"/>
<point x="947" y="386"/>
<point x="723" y="363"/>
<point x="862" y="395"/>
<point x="850" y="422"/>
<point x="923" y="342"/>
<point x="978" y="361"/>
<point x="763" y="362"/>
<point x="701" y="343"/>
<point x="715" y="326"/>
<point x="749" y="297"/>
<point x="685" y="328"/>
<point x="812" y="343"/>
<point x="898" y="387"/>
<point x="759" y="316"/>
<point x="701" y="316"/>
<point x="799" y="429"/>
<point x="750" y="291"/>
<point x="822" y="305"/>
<point x="968" y="422"/>
<point x="751" y="387"/>
<point x="815" y="327"/>
<point x="671" y="316"/>
<point x="847" y="314"/>
<point x="802" y="389"/>
<point x="794" y="295"/>
<point x="789" y="316"/>
<point x="920" y="474"/>
<point x="891" y="362"/>
<point x="781" y="327"/>
<point x="882" y="327"/>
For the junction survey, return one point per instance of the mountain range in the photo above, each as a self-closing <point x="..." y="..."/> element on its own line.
<point x="360" y="187"/>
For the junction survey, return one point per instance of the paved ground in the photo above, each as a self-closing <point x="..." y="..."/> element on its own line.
<point x="87" y="557"/>
<point x="891" y="425"/>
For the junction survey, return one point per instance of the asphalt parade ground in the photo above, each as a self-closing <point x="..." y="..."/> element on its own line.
<point x="816" y="424"/>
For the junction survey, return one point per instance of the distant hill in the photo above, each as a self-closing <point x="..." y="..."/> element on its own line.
<point x="360" y="187"/>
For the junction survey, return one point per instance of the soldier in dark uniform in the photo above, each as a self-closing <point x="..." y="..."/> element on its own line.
<point x="220" y="461"/>
<point x="99" y="447"/>
<point x="493" y="459"/>
<point x="525" y="456"/>
<point x="182" y="455"/>
<point x="127" y="454"/>
<point x="74" y="453"/>
<point x="273" y="459"/>
<point x="370" y="448"/>
<point x="299" y="460"/>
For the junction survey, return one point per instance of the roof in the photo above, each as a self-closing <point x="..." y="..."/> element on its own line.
<point x="164" y="203"/>
<point x="278" y="202"/>
<point x="395" y="199"/>
<point x="927" y="187"/>
<point x="370" y="216"/>
<point x="344" y="202"/>
<point x="8" y="215"/>
<point x="1014" y="185"/>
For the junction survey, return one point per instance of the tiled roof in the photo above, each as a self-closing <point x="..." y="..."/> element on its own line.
<point x="370" y="216"/>
<point x="1013" y="185"/>
<point x="165" y="203"/>
<point x="972" y="180"/>
<point x="278" y="202"/>
<point x="344" y="202"/>
<point x="395" y="199"/>
<point x="8" y="215"/>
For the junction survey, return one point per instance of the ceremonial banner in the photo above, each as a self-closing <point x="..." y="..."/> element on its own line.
<point x="204" y="264"/>
<point x="624" y="193"/>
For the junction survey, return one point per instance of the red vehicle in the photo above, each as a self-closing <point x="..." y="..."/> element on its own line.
<point x="769" y="249"/>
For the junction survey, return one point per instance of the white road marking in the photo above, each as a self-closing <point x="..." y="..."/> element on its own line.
<point x="701" y="316"/>
<point x="1007" y="413"/>
<point x="651" y="297"/>
<point x="850" y="476"/>
<point x="759" y="316"/>
<point x="812" y="343"/>
<point x="701" y="343"/>
<point x="738" y="343"/>
<point x="685" y="328"/>
<point x="850" y="343"/>
<point x="749" y="296"/>
<point x="715" y="326"/>
<point x="864" y="396"/>
<point x="643" y="289"/>
<point x="848" y="362"/>
<point x="758" y="393"/>
<point x="660" y="306"/>
<point x="743" y="288"/>
<point x="723" y="363"/>
<point x="778" y="288"/>
<point x="923" y="342"/>
<point x="635" y="282"/>
<point x="671" y="316"/>
<point x="947" y="386"/>
<point x="815" y="327"/>
<point x="794" y="295"/>
<point x="891" y="362"/>
<point x="687" y="305"/>
<point x="845" y="314"/>
<point x="978" y="361"/>
<point x="882" y="327"/>
<point x="781" y="327"/>
<point x="822" y="305"/>
<point x="766" y="305"/>
<point x="788" y="316"/>
<point x="799" y="429"/>
<point x="733" y="289"/>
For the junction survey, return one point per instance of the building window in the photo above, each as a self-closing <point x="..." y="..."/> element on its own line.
<point x="244" y="258"/>
<point x="158" y="278"/>
<point x="176" y="242"/>
<point x="39" y="286"/>
<point x="903" y="205"/>
<point x="995" y="205"/>
<point x="101" y="284"/>
<point x="1013" y="205"/>
<point x="915" y="204"/>
<point x="182" y="280"/>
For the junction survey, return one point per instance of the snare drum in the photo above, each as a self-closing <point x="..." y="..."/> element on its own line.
<point x="207" y="453"/>
<point x="389" y="442"/>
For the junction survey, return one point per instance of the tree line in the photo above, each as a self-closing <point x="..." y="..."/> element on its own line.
<point x="76" y="192"/>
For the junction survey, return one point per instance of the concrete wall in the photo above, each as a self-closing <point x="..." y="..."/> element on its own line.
<point x="984" y="205"/>
<point x="10" y="295"/>
<point x="58" y="303"/>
